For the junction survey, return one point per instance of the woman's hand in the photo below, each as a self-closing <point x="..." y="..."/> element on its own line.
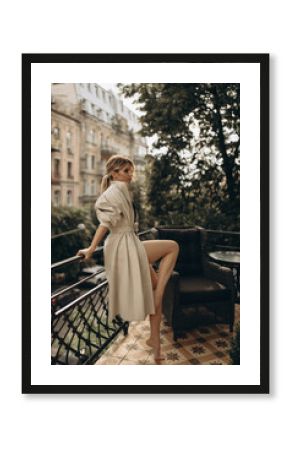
<point x="86" y="253"/>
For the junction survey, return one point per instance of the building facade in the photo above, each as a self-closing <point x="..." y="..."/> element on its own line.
<point x="93" y="123"/>
<point x="65" y="156"/>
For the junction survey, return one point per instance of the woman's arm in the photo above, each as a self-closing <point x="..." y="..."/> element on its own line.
<point x="99" y="235"/>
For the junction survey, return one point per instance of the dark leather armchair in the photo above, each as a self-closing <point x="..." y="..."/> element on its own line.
<point x="196" y="281"/>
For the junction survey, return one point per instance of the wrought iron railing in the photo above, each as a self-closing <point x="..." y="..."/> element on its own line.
<point x="80" y="328"/>
<point x="222" y="240"/>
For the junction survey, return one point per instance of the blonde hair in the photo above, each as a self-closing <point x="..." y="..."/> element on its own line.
<point x="114" y="163"/>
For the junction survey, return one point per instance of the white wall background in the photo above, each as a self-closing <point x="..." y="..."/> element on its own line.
<point x="205" y="421"/>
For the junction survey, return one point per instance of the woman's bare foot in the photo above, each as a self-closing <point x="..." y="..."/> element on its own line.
<point x="149" y="342"/>
<point x="156" y="348"/>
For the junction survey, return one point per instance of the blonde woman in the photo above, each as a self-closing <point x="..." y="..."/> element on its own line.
<point x="135" y="289"/>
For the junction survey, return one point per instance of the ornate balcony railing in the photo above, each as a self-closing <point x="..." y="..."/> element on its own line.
<point x="80" y="331"/>
<point x="80" y="328"/>
<point x="105" y="148"/>
<point x="222" y="240"/>
<point x="55" y="179"/>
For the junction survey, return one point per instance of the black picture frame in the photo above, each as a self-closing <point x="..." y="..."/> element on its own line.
<point x="244" y="58"/>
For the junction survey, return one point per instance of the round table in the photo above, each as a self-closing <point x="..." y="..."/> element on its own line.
<point x="231" y="259"/>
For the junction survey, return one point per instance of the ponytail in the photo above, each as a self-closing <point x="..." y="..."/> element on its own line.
<point x="105" y="183"/>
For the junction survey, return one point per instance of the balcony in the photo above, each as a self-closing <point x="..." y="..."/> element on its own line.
<point x="55" y="143"/>
<point x="82" y="334"/>
<point x="107" y="150"/>
<point x="55" y="179"/>
<point x="139" y="159"/>
<point x="55" y="148"/>
<point x="88" y="198"/>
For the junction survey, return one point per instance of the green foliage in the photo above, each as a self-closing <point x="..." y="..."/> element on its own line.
<point x="139" y="198"/>
<point x="195" y="177"/>
<point x="235" y="346"/>
<point x="65" y="219"/>
<point x="168" y="203"/>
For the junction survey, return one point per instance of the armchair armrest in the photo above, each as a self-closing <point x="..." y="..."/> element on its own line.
<point x="175" y="277"/>
<point x="171" y="299"/>
<point x="154" y="233"/>
<point x="221" y="274"/>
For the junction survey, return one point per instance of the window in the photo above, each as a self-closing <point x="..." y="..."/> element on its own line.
<point x="56" y="198"/>
<point x="84" y="104"/>
<point x="69" y="198"/>
<point x="93" y="187"/>
<point x="56" y="132"/>
<point x="56" y="168"/>
<point x="92" y="162"/>
<point x="69" y="170"/>
<point x="69" y="141"/>
<point x="92" y="138"/>
<point x="86" y="161"/>
<point x="68" y="138"/>
<point x="142" y="151"/>
<point x="86" y="187"/>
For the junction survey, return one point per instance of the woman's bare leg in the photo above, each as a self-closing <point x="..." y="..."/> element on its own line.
<point x="167" y="251"/>
<point x="154" y="277"/>
<point x="155" y="319"/>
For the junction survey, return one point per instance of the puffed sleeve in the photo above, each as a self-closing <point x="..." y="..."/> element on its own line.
<point x="108" y="212"/>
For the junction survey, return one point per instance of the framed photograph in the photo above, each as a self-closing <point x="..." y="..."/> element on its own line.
<point x="167" y="157"/>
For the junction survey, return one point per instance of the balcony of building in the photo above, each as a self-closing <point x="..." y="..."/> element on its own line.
<point x="55" y="140"/>
<point x="55" y="179"/>
<point x="107" y="150"/>
<point x="83" y="334"/>
<point x="87" y="199"/>
<point x="55" y="147"/>
<point x="139" y="159"/>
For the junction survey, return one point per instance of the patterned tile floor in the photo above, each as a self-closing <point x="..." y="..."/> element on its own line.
<point x="202" y="345"/>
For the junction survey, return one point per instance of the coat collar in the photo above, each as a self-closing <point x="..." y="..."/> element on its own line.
<point x="122" y="187"/>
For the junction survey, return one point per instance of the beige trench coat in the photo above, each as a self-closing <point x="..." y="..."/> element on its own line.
<point x="125" y="258"/>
